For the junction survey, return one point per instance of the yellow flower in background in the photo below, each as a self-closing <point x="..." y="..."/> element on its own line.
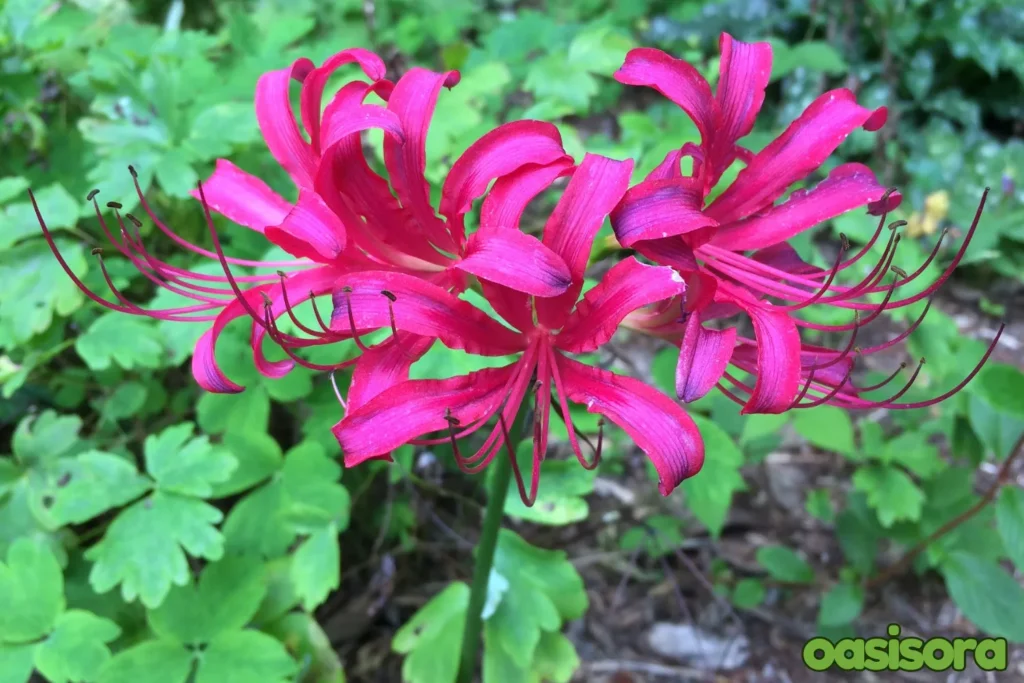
<point x="936" y="208"/>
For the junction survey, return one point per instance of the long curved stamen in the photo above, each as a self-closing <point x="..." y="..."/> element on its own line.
<point x="531" y="498"/>
<point x="347" y="291"/>
<point x="803" y="391"/>
<point x="279" y="338"/>
<point x="932" y="401"/>
<point x="867" y="350"/>
<point x="563" y="412"/>
<point x="182" y="242"/>
<point x="878" y="309"/>
<point x="885" y="382"/>
<point x="824" y="287"/>
<point x="291" y="312"/>
<point x="830" y="395"/>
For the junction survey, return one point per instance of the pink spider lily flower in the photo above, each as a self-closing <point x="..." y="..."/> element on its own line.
<point x="345" y="217"/>
<point x="385" y="409"/>
<point x="733" y="251"/>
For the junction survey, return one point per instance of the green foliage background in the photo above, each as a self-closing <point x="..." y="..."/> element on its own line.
<point x="149" y="534"/>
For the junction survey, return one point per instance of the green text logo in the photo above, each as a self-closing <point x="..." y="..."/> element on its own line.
<point x="904" y="654"/>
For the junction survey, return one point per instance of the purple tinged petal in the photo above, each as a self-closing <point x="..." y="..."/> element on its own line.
<point x="703" y="356"/>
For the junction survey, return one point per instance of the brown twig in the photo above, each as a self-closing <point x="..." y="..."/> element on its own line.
<point x="1002" y="476"/>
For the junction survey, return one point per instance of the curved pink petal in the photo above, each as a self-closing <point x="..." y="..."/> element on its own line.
<point x="503" y="150"/>
<point x="313" y="86"/>
<point x="627" y="286"/>
<point x="677" y="80"/>
<point x="504" y="205"/>
<point x="801" y="149"/>
<point x="701" y="287"/>
<point x="778" y="352"/>
<point x="417" y="407"/>
<point x="516" y="260"/>
<point x="703" y="356"/>
<point x="242" y="197"/>
<point x="277" y="122"/>
<point x="205" y="370"/>
<point x="669" y="252"/>
<point x="847" y="187"/>
<point x="360" y="196"/>
<point x="658" y="209"/>
<point x="595" y="188"/>
<point x="310" y="230"/>
<point x="422" y="308"/>
<point x="384" y="366"/>
<point x="744" y="72"/>
<point x="656" y="423"/>
<point x="413" y="100"/>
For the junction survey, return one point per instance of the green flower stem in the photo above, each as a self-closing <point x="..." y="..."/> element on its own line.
<point x="496" y="493"/>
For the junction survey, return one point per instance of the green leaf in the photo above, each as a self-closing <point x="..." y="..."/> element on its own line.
<point x="316" y="567"/>
<point x="59" y="209"/>
<point x="17" y="662"/>
<point x="814" y="55"/>
<point x="153" y="661"/>
<point x="256" y="523"/>
<point x="224" y="599"/>
<point x="552" y="78"/>
<point x="31" y="592"/>
<point x="859" y="533"/>
<point x="310" y="645"/>
<point x="997" y="430"/>
<point x="77" y="489"/>
<point x="841" y="605"/>
<point x="1010" y="522"/>
<point x="126" y="401"/>
<point x="659" y="535"/>
<point x="258" y="455"/>
<point x="126" y="340"/>
<point x="430" y="640"/>
<point x="175" y="174"/>
<point x="1000" y="384"/>
<point x="77" y="648"/>
<point x="599" y="49"/>
<point x="185" y="465"/>
<point x="709" y="494"/>
<point x="891" y="493"/>
<point x="36" y="287"/>
<point x="544" y="589"/>
<point x="760" y="425"/>
<point x="313" y="498"/>
<point x="555" y="659"/>
<point x="986" y="594"/>
<point x="826" y="427"/>
<point x="560" y="500"/>
<point x="819" y="505"/>
<point x="912" y="450"/>
<point x="144" y="547"/>
<point x="748" y="593"/>
<point x="45" y="438"/>
<point x="784" y="564"/>
<point x="11" y="187"/>
<point x="248" y="411"/>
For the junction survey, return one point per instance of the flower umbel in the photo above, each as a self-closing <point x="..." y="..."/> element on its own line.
<point x="733" y="250"/>
<point x="386" y="409"/>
